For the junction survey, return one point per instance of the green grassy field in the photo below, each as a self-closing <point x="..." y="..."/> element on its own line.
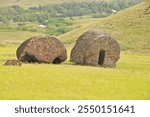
<point x="129" y="80"/>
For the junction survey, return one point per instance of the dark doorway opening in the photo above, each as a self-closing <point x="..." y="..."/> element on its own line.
<point x="56" y="61"/>
<point x="101" y="57"/>
<point x="30" y="58"/>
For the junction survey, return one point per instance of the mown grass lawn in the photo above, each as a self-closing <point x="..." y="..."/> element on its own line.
<point x="129" y="80"/>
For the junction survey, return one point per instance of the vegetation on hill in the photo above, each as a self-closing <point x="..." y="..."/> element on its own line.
<point x="43" y="13"/>
<point x="12" y="32"/>
<point x="30" y="3"/>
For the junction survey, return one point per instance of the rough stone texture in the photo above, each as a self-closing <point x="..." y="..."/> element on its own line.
<point x="13" y="63"/>
<point x="42" y="49"/>
<point x="87" y="50"/>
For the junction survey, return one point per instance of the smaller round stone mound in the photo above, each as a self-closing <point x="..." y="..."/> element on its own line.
<point x="42" y="49"/>
<point x="13" y="63"/>
<point x="96" y="48"/>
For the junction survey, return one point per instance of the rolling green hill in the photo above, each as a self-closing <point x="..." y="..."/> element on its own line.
<point x="130" y="27"/>
<point x="43" y="13"/>
<point x="28" y="3"/>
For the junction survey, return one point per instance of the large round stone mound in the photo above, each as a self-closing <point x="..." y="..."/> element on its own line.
<point x="42" y="49"/>
<point x="96" y="48"/>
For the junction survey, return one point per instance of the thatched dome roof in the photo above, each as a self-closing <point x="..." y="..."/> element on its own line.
<point x="96" y="48"/>
<point x="42" y="49"/>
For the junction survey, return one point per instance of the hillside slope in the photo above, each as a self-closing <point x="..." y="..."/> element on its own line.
<point x="27" y="3"/>
<point x="130" y="27"/>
